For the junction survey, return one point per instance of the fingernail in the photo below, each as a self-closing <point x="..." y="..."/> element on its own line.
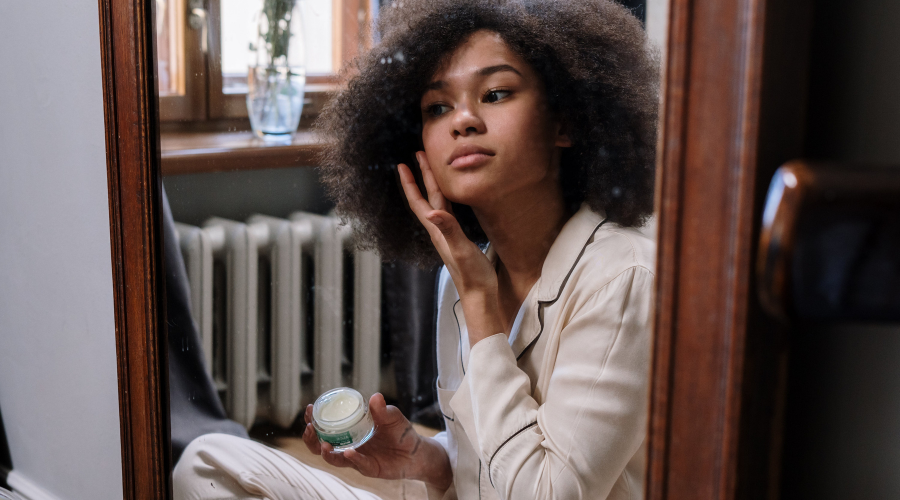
<point x="437" y="220"/>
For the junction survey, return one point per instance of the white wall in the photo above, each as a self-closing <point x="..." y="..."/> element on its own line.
<point x="58" y="391"/>
<point x="657" y="23"/>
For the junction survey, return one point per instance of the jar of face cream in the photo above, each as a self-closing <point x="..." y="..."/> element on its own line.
<point x="341" y="418"/>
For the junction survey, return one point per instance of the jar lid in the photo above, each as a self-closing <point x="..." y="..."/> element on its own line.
<point x="339" y="409"/>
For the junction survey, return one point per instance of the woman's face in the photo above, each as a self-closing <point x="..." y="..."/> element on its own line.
<point x="488" y="133"/>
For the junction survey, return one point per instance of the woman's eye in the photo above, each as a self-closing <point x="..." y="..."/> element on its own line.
<point x="437" y="109"/>
<point x="496" y="95"/>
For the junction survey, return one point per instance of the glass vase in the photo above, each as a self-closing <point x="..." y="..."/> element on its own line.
<point x="277" y="72"/>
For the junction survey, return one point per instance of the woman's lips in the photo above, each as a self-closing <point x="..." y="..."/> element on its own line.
<point x="469" y="155"/>
<point x="470" y="160"/>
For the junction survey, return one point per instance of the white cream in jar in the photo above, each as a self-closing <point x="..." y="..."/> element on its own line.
<point x="341" y="418"/>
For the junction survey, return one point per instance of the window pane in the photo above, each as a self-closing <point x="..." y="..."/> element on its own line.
<point x="169" y="36"/>
<point x="238" y="17"/>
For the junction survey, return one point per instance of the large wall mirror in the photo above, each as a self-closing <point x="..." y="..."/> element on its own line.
<point x="241" y="298"/>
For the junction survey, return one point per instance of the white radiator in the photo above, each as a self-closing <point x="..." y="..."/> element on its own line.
<point x="249" y="284"/>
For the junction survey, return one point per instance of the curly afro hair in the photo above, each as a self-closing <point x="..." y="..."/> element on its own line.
<point x="600" y="77"/>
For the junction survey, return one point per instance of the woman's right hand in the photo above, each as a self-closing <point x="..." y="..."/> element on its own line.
<point x="395" y="451"/>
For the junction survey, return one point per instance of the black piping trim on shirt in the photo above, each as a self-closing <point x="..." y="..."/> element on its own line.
<point x="436" y="387"/>
<point x="459" y="335"/>
<point x="542" y="303"/>
<point x="523" y="429"/>
<point x="434" y="334"/>
<point x="479" y="479"/>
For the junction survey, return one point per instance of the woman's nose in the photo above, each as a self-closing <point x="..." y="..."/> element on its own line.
<point x="465" y="122"/>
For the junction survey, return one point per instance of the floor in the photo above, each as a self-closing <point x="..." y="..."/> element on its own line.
<point x="386" y="489"/>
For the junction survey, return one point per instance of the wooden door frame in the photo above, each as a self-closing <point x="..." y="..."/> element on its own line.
<point x="722" y="91"/>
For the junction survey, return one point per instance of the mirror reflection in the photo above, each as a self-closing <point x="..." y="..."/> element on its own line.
<point x="442" y="207"/>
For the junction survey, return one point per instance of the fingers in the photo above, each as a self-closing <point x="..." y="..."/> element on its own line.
<point x="334" y="458"/>
<point x="452" y="243"/>
<point x="382" y="414"/>
<point x="378" y="408"/>
<point x="435" y="196"/>
<point x="427" y="215"/>
<point x="310" y="439"/>
<point x="417" y="203"/>
<point x="457" y="242"/>
<point x="366" y="465"/>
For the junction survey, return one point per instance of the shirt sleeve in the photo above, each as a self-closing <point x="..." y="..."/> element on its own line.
<point x="593" y="417"/>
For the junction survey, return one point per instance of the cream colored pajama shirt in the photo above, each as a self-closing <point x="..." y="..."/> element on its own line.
<point x="557" y="410"/>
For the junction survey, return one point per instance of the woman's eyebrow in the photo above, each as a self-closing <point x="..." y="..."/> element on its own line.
<point x="490" y="70"/>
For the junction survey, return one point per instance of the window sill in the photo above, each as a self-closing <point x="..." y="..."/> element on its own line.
<point x="217" y="151"/>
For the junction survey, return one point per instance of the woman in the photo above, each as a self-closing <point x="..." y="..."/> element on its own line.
<point x="531" y="127"/>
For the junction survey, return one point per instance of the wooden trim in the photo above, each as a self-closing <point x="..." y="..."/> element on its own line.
<point x="131" y="119"/>
<point x="174" y="17"/>
<point x="218" y="108"/>
<point x="191" y="153"/>
<point x="706" y="182"/>
<point x="730" y="115"/>
<point x="191" y="103"/>
<point x="346" y="31"/>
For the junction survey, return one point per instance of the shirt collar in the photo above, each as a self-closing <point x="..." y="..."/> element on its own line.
<point x="566" y="251"/>
<point x="564" y="254"/>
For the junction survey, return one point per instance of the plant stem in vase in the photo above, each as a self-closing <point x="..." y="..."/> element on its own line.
<point x="277" y="74"/>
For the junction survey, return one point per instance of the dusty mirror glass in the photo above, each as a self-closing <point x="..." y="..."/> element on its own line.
<point x="517" y="370"/>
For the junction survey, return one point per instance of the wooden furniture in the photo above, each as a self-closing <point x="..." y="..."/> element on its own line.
<point x="830" y="243"/>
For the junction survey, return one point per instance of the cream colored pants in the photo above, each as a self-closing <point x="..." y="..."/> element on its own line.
<point x="220" y="466"/>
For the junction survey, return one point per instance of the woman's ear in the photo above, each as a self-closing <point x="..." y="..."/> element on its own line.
<point x="562" y="135"/>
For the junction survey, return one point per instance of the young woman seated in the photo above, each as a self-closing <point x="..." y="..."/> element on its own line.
<point x="512" y="141"/>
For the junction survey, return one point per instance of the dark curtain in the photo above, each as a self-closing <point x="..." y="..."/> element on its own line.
<point x="5" y="457"/>
<point x="194" y="404"/>
<point x="408" y="332"/>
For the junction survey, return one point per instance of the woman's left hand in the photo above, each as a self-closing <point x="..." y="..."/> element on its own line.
<point x="471" y="271"/>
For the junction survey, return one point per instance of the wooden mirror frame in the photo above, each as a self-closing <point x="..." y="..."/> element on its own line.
<point x="135" y="215"/>
<point x="732" y="113"/>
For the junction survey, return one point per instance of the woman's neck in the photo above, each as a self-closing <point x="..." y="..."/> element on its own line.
<point x="521" y="230"/>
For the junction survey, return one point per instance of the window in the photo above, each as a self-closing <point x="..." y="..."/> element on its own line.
<point x="202" y="48"/>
